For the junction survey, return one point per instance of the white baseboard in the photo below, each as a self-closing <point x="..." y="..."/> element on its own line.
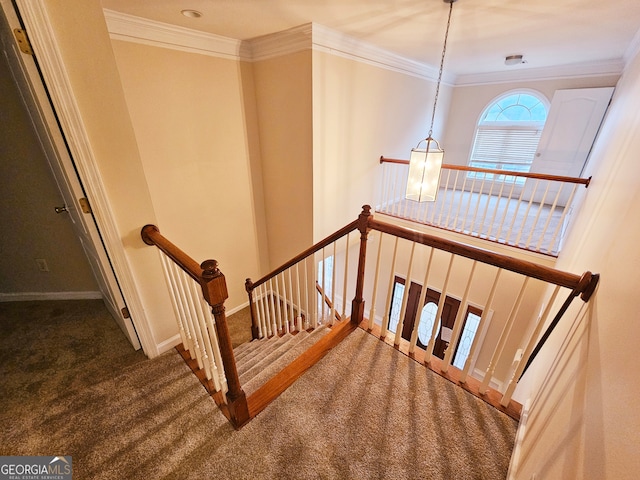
<point x="517" y="448"/>
<point x="30" y="296"/>
<point x="169" y="344"/>
<point x="237" y="309"/>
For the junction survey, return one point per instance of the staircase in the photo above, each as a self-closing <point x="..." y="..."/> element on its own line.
<point x="318" y="283"/>
<point x="260" y="360"/>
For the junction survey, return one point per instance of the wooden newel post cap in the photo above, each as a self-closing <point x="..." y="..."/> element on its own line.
<point x="248" y="285"/>
<point x="146" y="233"/>
<point x="214" y="285"/>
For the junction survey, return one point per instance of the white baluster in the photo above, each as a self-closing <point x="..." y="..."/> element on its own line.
<point x="376" y="278"/>
<point x="387" y="308"/>
<point x="542" y="320"/>
<point x="483" y="320"/>
<point x="174" y="301"/>
<point x="437" y="320"/>
<point x="345" y="280"/>
<point x="458" y="322"/>
<point x="219" y="378"/>
<point x="497" y="353"/>
<point x="526" y="214"/>
<point x="546" y="224"/>
<point x="535" y="221"/>
<point x="423" y="295"/>
<point x="183" y="283"/>
<point x="195" y="293"/>
<point x="332" y="312"/>
<point x="504" y="214"/>
<point x="274" y="312"/>
<point x="405" y="297"/>
<point x="298" y="299"/>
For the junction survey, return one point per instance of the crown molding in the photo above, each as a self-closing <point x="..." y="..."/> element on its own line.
<point x="135" y="29"/>
<point x="633" y="50"/>
<point x="336" y="43"/>
<point x="149" y="32"/>
<point x="312" y="36"/>
<point x="321" y="38"/>
<point x="591" y="69"/>
<point x="286" y="42"/>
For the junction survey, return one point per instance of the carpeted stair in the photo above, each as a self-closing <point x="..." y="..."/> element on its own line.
<point x="260" y="360"/>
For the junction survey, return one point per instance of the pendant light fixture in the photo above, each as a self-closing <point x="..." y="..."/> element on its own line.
<point x="425" y="164"/>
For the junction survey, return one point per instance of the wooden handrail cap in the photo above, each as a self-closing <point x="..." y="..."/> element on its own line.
<point x="146" y="231"/>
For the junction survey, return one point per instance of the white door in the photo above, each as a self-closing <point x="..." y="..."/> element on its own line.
<point x="34" y="95"/>
<point x="569" y="132"/>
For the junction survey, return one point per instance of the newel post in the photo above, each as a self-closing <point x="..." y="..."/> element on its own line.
<point x="357" y="305"/>
<point x="214" y="289"/>
<point x="255" y="334"/>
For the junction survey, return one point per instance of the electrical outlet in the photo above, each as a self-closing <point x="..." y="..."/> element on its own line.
<point x="42" y="264"/>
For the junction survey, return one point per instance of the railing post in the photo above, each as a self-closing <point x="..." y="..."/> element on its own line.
<point x="357" y="305"/>
<point x="255" y="332"/>
<point x="214" y="289"/>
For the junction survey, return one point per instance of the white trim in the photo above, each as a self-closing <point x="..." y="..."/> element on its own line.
<point x="493" y="383"/>
<point x="581" y="70"/>
<point x="339" y="44"/>
<point x="633" y="49"/>
<point x="168" y="344"/>
<point x="292" y="40"/>
<point x="130" y="28"/>
<point x="514" y="464"/>
<point x="35" y="16"/>
<point x="31" y="296"/>
<point x="237" y="309"/>
<point x="314" y="36"/>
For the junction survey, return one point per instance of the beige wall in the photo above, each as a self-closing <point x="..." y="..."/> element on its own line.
<point x="30" y="227"/>
<point x="188" y="115"/>
<point x="284" y="111"/>
<point x="584" y="422"/>
<point x="468" y="102"/>
<point x="95" y="84"/>
<point x="361" y="112"/>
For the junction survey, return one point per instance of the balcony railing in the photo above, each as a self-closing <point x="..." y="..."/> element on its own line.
<point x="524" y="210"/>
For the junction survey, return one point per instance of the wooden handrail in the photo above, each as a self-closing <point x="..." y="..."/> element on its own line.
<point x="530" y="269"/>
<point x="511" y="173"/>
<point x="214" y="291"/>
<point x="309" y="251"/>
<point x="151" y="236"/>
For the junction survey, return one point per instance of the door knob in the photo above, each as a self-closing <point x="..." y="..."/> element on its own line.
<point x="61" y="209"/>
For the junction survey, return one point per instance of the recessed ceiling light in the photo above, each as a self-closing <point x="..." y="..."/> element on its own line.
<point x="191" y="13"/>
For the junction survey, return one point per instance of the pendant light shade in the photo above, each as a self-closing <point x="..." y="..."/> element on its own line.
<point x="425" y="165"/>
<point x="424" y="172"/>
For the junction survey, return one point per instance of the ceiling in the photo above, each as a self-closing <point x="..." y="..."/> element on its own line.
<point x="549" y="33"/>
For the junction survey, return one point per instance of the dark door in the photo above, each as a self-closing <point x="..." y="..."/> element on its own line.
<point x="426" y="314"/>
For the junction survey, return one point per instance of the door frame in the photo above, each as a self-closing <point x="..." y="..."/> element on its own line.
<point x="34" y="15"/>
<point x="480" y="334"/>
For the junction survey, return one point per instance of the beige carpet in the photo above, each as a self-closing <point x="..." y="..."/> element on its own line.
<point x="536" y="227"/>
<point x="71" y="386"/>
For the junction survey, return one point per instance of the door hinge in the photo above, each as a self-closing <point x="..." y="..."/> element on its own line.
<point x="23" y="41"/>
<point x="125" y="312"/>
<point x="84" y="205"/>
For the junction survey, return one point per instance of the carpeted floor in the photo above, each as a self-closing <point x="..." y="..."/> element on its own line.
<point x="72" y="386"/>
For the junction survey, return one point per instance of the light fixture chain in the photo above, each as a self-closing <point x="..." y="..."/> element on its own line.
<point x="444" y="51"/>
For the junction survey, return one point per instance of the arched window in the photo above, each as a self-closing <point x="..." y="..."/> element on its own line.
<point x="508" y="133"/>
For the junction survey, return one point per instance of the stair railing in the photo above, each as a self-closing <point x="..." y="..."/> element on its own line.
<point x="198" y="293"/>
<point x="499" y="285"/>
<point x="524" y="210"/>
<point x="302" y="293"/>
<point x="452" y="268"/>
